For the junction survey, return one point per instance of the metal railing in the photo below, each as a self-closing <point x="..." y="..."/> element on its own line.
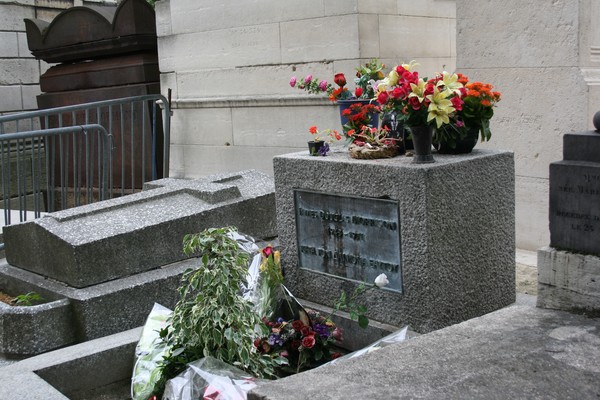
<point x="46" y="155"/>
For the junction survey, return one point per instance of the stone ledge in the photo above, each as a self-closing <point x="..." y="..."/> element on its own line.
<point x="250" y="101"/>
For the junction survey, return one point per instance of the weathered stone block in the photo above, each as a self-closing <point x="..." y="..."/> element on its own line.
<point x="19" y="71"/>
<point x="201" y="127"/>
<point x="9" y="46"/>
<point x="283" y="126"/>
<point x="10" y="99"/>
<point x="317" y="39"/>
<point x="251" y="45"/>
<point x="485" y="41"/>
<point x="568" y="281"/>
<point x="421" y="37"/>
<point x="140" y="232"/>
<point x="216" y="82"/>
<point x="456" y="229"/>
<point x="11" y="17"/>
<point x="433" y="8"/>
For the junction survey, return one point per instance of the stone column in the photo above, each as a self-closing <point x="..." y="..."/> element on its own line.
<point x="545" y="59"/>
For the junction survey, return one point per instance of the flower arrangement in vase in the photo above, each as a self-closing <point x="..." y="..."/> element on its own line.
<point x="472" y="118"/>
<point x="341" y="94"/>
<point x="319" y="145"/>
<point x="422" y="104"/>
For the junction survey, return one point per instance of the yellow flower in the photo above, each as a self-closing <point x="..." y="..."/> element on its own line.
<point x="393" y="78"/>
<point x="263" y="266"/>
<point x="277" y="257"/>
<point x="410" y="65"/>
<point x="418" y="90"/>
<point x="439" y="108"/>
<point x="450" y="83"/>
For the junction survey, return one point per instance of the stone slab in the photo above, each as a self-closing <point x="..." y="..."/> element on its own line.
<point x="518" y="352"/>
<point x="78" y="315"/>
<point x="456" y="220"/>
<point x="575" y="206"/>
<point x="107" y="240"/>
<point x="582" y="146"/>
<point x="568" y="281"/>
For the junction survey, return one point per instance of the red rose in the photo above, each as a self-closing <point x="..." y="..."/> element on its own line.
<point x="382" y="98"/>
<point x="296" y="344"/>
<point x="306" y="331"/>
<point x="267" y="251"/>
<point x="297" y="325"/>
<point x="414" y="102"/>
<point x="308" y="342"/>
<point x="457" y="103"/>
<point x="335" y="355"/>
<point x="397" y="93"/>
<point x="339" y="79"/>
<point x="358" y="92"/>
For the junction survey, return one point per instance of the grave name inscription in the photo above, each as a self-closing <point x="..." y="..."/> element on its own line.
<point x="354" y="238"/>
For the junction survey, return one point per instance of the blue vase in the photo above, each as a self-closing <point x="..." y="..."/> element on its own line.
<point x="345" y="104"/>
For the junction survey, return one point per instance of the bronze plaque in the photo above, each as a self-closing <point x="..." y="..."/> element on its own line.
<point x="354" y="238"/>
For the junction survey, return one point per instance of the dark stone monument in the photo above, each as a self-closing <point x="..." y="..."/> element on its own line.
<point x="575" y="195"/>
<point x="569" y="270"/>
<point x="104" y="53"/>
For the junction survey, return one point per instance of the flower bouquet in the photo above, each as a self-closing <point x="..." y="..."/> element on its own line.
<point x="372" y="143"/>
<point x="362" y="94"/>
<point x="303" y="345"/>
<point x="471" y="118"/>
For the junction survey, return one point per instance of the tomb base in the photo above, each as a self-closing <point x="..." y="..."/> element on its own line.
<point x="443" y="233"/>
<point x="568" y="281"/>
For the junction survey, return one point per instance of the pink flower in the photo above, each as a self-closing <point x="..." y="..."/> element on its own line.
<point x="293" y="81"/>
<point x="323" y="85"/>
<point x="337" y="334"/>
<point x="307" y="79"/>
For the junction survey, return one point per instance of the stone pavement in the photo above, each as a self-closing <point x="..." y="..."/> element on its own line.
<point x="517" y="352"/>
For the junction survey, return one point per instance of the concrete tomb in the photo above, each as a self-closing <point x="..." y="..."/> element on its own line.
<point x="103" y="265"/>
<point x="443" y="233"/>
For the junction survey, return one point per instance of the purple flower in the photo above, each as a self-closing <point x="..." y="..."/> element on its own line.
<point x="280" y="320"/>
<point x="275" y="339"/>
<point x="321" y="330"/>
<point x="293" y="81"/>
<point x="307" y="79"/>
<point x="323" y="85"/>
<point x="323" y="150"/>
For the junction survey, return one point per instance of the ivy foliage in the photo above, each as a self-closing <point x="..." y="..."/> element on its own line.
<point x="211" y="318"/>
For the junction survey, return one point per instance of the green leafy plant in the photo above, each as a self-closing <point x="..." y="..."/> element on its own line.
<point x="211" y="318"/>
<point x="28" y="299"/>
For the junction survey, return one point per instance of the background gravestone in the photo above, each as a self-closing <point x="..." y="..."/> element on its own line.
<point x="569" y="270"/>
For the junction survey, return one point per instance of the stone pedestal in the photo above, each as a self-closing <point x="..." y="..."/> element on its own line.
<point x="568" y="281"/>
<point x="444" y="233"/>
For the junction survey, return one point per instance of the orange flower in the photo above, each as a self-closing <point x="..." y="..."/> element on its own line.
<point x="312" y="129"/>
<point x="337" y="135"/>
<point x="486" y="103"/>
<point x="351" y="132"/>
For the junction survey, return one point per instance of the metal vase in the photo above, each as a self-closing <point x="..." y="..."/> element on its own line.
<point x="422" y="137"/>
